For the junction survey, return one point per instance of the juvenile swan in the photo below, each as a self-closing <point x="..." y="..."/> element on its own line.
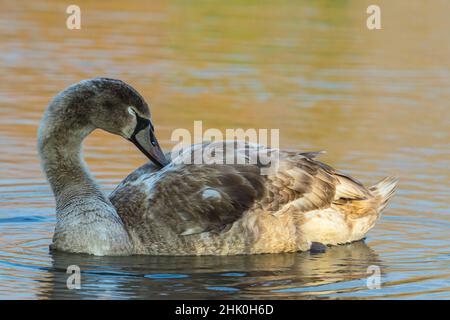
<point x="170" y="208"/>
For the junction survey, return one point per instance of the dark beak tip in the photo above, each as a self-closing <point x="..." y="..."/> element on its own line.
<point x="145" y="140"/>
<point x="160" y="160"/>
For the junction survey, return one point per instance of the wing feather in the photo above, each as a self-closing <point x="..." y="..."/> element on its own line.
<point x="192" y="199"/>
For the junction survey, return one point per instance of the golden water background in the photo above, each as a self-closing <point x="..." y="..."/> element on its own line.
<point x="376" y="101"/>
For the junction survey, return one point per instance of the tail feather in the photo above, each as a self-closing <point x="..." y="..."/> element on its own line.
<point x="384" y="190"/>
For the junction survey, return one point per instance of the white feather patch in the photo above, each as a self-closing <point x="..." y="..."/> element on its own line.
<point x="193" y="230"/>
<point x="211" y="194"/>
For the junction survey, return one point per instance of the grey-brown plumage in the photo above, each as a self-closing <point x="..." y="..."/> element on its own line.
<point x="304" y="201"/>
<point x="192" y="209"/>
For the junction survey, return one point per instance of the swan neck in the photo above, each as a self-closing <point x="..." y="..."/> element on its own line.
<point x="86" y="221"/>
<point x="64" y="167"/>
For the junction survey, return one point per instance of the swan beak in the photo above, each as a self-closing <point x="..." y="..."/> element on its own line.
<point x="144" y="138"/>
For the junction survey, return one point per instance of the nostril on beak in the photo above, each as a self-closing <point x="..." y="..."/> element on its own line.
<point x="152" y="137"/>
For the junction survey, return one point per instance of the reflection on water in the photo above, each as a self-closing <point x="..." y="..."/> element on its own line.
<point x="377" y="101"/>
<point x="263" y="276"/>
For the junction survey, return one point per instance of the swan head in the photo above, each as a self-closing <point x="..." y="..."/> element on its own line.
<point x="113" y="106"/>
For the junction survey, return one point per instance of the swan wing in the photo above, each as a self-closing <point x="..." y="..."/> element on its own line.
<point x="196" y="198"/>
<point x="309" y="184"/>
<point x="189" y="198"/>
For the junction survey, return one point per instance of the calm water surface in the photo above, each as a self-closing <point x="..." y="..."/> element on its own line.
<point x="377" y="101"/>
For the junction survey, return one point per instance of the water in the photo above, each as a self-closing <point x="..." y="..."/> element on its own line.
<point x="377" y="101"/>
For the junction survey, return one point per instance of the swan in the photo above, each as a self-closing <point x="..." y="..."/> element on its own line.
<point x="170" y="207"/>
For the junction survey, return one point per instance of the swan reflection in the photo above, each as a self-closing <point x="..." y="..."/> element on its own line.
<point x="285" y="275"/>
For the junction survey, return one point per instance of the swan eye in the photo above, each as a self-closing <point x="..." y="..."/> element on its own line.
<point x="131" y="111"/>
